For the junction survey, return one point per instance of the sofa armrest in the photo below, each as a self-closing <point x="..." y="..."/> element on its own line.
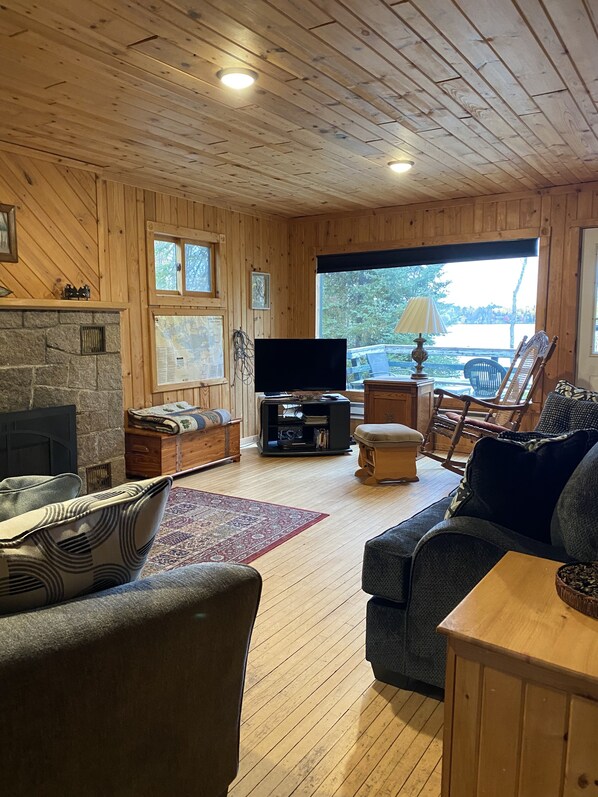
<point x="134" y="690"/>
<point x="447" y="564"/>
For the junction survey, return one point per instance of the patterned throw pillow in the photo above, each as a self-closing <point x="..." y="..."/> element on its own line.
<point x="517" y="483"/>
<point x="564" y="388"/>
<point x="79" y="546"/>
<point x="19" y="494"/>
<point x="562" y="413"/>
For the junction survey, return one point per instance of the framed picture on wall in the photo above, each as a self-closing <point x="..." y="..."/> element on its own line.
<point x="8" y="234"/>
<point x="260" y="290"/>
<point x="187" y="348"/>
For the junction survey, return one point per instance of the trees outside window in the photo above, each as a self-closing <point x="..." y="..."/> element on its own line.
<point x="183" y="267"/>
<point x="487" y="307"/>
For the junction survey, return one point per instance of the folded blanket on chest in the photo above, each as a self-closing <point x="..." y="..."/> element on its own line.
<point x="177" y="418"/>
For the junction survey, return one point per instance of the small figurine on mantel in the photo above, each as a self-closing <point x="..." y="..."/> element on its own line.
<point x="70" y="292"/>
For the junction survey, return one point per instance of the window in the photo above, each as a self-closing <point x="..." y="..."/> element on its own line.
<point x="183" y="267"/>
<point x="183" y="264"/>
<point x="487" y="302"/>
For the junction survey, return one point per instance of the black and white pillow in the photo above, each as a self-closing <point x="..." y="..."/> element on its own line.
<point x="564" y="388"/>
<point x="80" y="546"/>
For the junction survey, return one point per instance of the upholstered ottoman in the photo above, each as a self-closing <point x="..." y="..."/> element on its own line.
<point x="387" y="452"/>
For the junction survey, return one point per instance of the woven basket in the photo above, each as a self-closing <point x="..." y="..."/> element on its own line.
<point x="587" y="604"/>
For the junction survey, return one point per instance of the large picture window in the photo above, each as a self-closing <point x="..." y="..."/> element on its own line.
<point x="487" y="302"/>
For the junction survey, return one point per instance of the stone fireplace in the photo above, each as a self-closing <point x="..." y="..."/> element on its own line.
<point x="51" y="358"/>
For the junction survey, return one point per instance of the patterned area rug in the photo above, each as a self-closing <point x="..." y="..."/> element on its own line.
<point x="207" y="527"/>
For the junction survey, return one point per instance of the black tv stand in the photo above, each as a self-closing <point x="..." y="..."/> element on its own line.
<point x="304" y="426"/>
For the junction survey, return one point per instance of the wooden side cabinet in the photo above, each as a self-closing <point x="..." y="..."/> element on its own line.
<point x="521" y="699"/>
<point x="406" y="401"/>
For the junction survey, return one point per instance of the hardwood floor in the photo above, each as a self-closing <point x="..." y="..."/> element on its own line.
<point x="315" y="722"/>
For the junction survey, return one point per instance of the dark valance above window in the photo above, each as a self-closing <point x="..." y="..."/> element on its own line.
<point x="427" y="255"/>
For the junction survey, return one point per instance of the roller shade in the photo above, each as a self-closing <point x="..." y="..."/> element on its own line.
<point x="427" y="255"/>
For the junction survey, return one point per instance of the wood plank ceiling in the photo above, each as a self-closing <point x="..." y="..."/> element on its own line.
<point x="485" y="96"/>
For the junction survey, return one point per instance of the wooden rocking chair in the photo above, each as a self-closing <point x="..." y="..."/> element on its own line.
<point x="500" y="413"/>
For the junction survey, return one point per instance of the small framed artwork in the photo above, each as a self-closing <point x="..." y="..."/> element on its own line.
<point x="8" y="234"/>
<point x="260" y="290"/>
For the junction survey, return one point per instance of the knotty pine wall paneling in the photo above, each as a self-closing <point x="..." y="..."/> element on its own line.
<point x="250" y="243"/>
<point x="555" y="215"/>
<point x="57" y="227"/>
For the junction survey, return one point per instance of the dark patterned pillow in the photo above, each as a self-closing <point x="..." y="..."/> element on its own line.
<point x="564" y="388"/>
<point x="563" y="414"/>
<point x="517" y="484"/>
<point x="79" y="546"/>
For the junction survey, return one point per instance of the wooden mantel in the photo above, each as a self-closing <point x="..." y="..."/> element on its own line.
<point x="61" y="304"/>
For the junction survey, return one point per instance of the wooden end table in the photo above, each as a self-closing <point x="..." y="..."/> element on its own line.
<point x="394" y="400"/>
<point x="521" y="700"/>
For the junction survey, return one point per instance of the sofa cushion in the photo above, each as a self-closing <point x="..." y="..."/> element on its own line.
<point x="574" y="524"/>
<point x="84" y="545"/>
<point x="379" y="435"/>
<point x="387" y="558"/>
<point x="20" y="494"/>
<point x="517" y="483"/>
<point x="562" y="413"/>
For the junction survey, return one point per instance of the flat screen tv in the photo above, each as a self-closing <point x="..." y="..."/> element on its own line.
<point x="285" y="365"/>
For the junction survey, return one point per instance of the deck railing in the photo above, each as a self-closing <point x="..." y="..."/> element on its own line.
<point x="444" y="363"/>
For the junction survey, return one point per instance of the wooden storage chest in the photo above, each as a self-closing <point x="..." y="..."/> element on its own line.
<point x="149" y="454"/>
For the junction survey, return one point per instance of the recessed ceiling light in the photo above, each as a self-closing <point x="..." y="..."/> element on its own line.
<point x="401" y="166"/>
<point x="236" y="78"/>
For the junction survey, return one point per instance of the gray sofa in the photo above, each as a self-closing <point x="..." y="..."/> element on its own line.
<point x="130" y="690"/>
<point x="418" y="571"/>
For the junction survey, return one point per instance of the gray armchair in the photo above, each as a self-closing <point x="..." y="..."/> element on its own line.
<point x="133" y="690"/>
<point x="418" y="571"/>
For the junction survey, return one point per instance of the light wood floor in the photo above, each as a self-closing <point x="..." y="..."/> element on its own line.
<point x="315" y="722"/>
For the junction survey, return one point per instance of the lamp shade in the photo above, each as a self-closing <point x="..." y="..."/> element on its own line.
<point x="421" y="315"/>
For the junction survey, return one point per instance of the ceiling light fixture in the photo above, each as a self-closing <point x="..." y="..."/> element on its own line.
<point x="401" y="166"/>
<point x="237" y="78"/>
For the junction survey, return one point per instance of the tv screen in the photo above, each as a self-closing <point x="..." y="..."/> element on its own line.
<point x="283" y="365"/>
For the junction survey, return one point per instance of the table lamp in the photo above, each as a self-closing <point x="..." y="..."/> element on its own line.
<point x="421" y="315"/>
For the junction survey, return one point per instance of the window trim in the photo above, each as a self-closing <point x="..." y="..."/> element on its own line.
<point x="181" y="236"/>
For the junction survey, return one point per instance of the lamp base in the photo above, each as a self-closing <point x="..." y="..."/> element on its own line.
<point x="420" y="355"/>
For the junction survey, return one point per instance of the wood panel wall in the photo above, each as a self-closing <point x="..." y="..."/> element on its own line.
<point x="57" y="227"/>
<point x="251" y="243"/>
<point x="555" y="215"/>
<point x="73" y="227"/>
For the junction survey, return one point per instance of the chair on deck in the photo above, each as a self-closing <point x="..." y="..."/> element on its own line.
<point x="485" y="376"/>
<point x="477" y="417"/>
<point x="378" y="363"/>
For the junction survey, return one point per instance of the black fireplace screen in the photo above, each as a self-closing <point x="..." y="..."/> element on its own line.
<point x="40" y="442"/>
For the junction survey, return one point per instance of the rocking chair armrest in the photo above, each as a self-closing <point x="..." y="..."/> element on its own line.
<point x="441" y="393"/>
<point x="494" y="406"/>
